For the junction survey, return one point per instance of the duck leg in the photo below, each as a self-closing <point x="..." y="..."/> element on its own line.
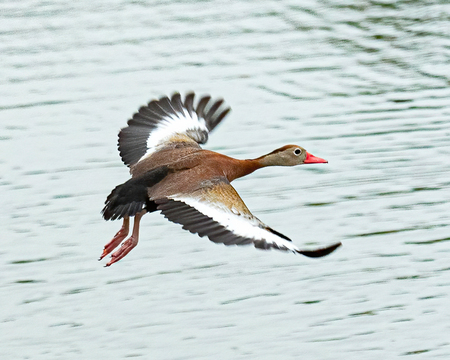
<point x="130" y="243"/>
<point x="118" y="238"/>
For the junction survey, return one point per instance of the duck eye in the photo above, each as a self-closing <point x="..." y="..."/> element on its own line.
<point x="297" y="151"/>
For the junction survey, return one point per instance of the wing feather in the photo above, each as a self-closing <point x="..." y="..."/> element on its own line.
<point x="201" y="106"/>
<point x="177" y="104"/>
<point x="207" y="212"/>
<point x="189" y="103"/>
<point x="163" y="121"/>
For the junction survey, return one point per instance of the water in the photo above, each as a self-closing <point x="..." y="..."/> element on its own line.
<point x="364" y="85"/>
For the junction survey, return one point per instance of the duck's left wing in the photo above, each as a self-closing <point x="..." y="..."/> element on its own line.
<point x="216" y="210"/>
<point x="168" y="120"/>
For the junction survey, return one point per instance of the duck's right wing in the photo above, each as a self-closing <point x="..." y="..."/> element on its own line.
<point x="169" y="120"/>
<point x="216" y="210"/>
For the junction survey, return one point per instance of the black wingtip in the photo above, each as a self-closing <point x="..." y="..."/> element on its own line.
<point x="320" y="252"/>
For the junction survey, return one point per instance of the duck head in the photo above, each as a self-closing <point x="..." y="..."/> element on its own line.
<point x="290" y="155"/>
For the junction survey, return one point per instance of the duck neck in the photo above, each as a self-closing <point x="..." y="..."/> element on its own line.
<point x="246" y="167"/>
<point x="271" y="159"/>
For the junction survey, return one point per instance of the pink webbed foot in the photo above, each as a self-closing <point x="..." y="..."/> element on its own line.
<point x="117" y="239"/>
<point x="126" y="247"/>
<point x="128" y="244"/>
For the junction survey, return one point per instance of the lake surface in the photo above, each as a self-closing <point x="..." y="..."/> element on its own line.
<point x="364" y="85"/>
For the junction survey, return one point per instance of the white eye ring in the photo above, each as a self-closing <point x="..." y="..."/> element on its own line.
<point x="297" y="151"/>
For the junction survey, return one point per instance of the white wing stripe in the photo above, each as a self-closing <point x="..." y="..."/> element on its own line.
<point x="172" y="125"/>
<point x="240" y="225"/>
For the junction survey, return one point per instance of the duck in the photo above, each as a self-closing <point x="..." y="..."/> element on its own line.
<point x="189" y="185"/>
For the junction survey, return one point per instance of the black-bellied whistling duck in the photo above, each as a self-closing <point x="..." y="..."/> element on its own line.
<point x="171" y="173"/>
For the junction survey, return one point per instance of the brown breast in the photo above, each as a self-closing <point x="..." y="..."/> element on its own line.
<point x="190" y="167"/>
<point x="192" y="172"/>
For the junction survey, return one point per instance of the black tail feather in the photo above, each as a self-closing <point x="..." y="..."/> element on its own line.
<point x="131" y="197"/>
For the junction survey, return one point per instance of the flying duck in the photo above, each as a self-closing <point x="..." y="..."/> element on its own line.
<point x="190" y="186"/>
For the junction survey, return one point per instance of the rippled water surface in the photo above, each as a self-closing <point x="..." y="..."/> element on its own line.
<point x="363" y="84"/>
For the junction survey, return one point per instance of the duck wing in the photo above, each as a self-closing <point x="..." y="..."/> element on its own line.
<point x="167" y="120"/>
<point x="217" y="211"/>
